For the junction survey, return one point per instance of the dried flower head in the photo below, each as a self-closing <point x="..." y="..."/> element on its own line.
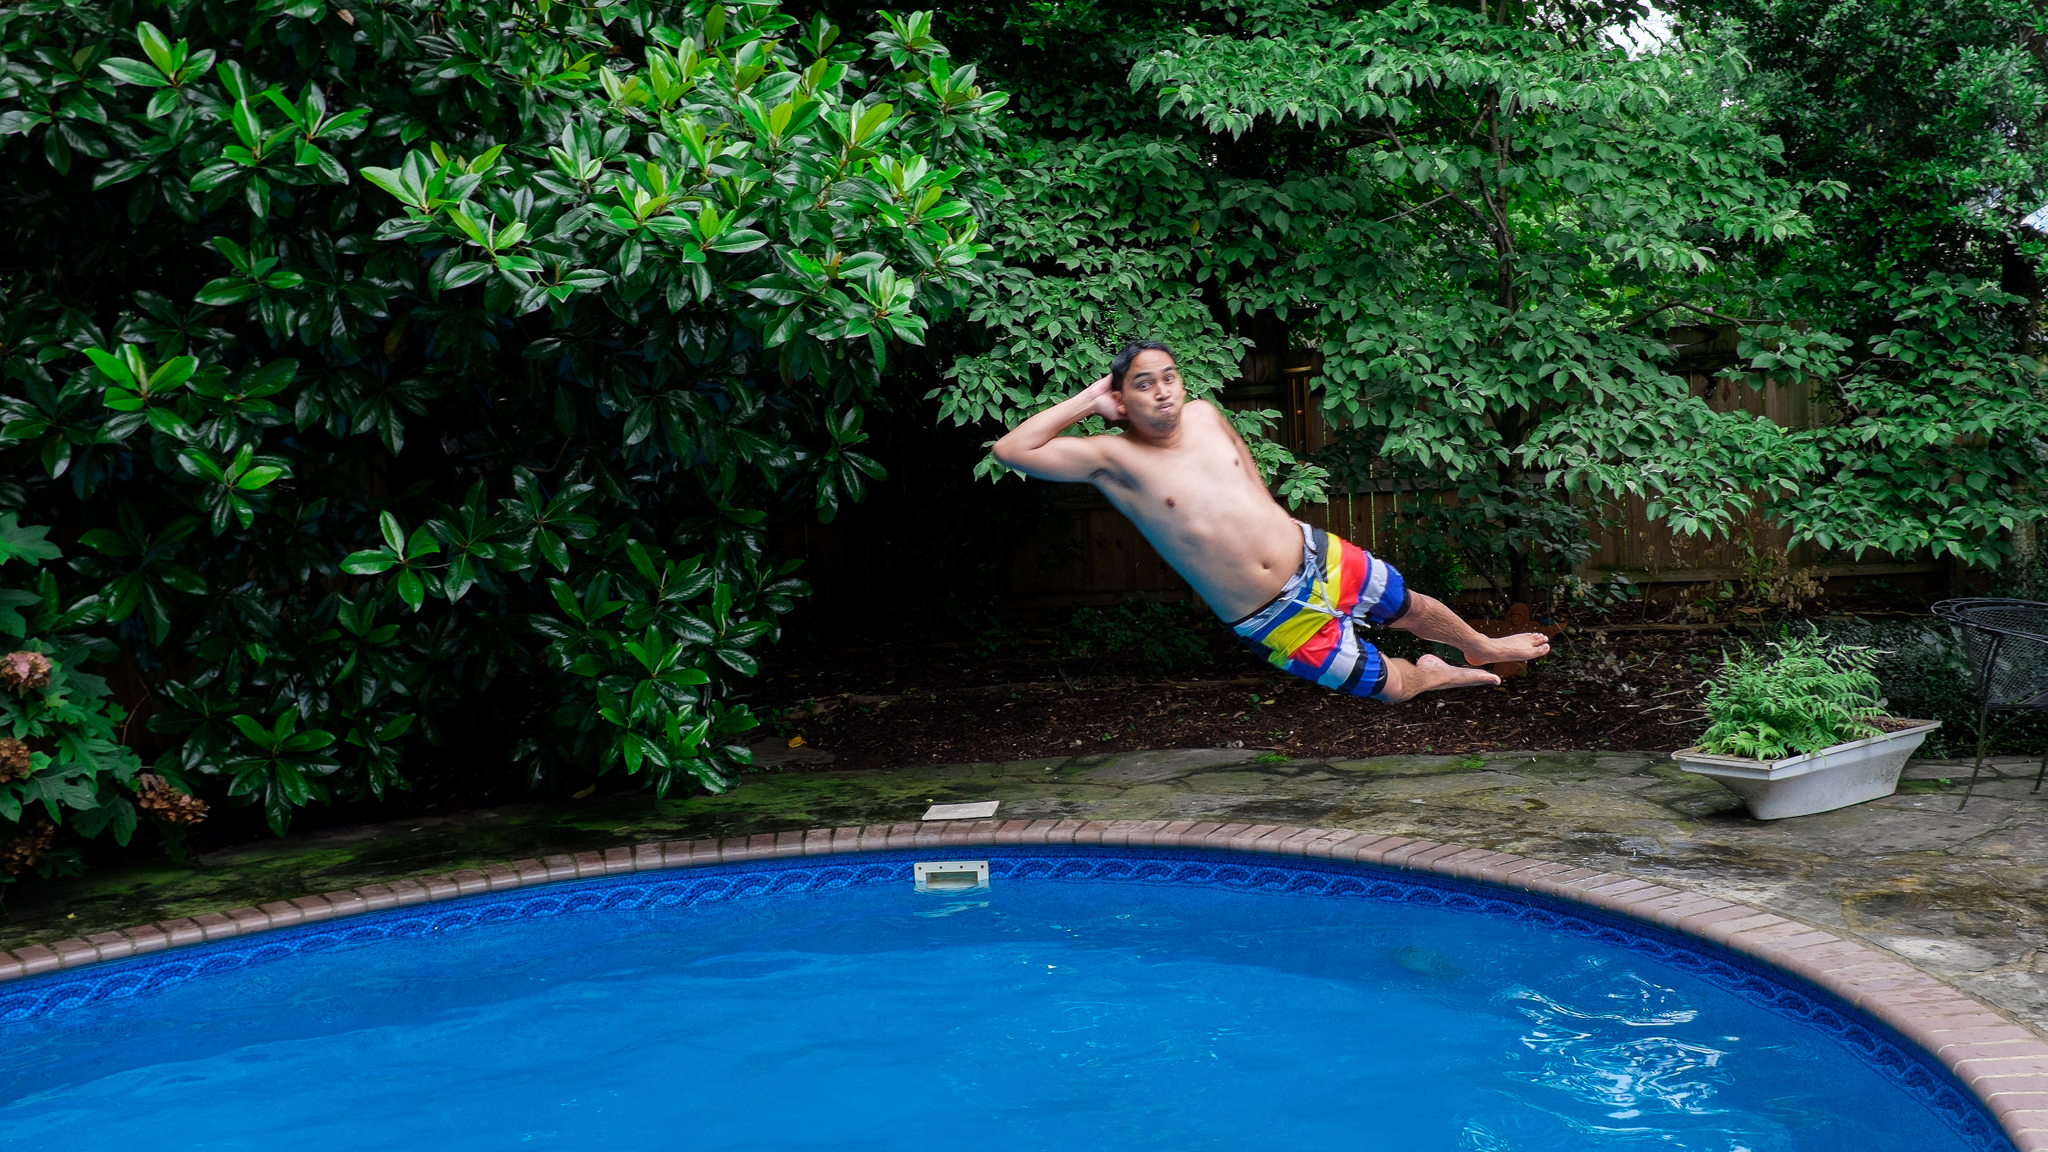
<point x="15" y="760"/>
<point x="24" y="671"/>
<point x="21" y="853"/>
<point x="156" y="796"/>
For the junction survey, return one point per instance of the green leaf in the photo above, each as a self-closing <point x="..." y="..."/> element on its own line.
<point x="121" y="171"/>
<point x="123" y="400"/>
<point x="394" y="533"/>
<point x="469" y="227"/>
<point x="409" y="588"/>
<point x="173" y="374"/>
<point x="777" y="290"/>
<point x="462" y="275"/>
<point x="368" y="563"/>
<point x="26" y="542"/>
<point x="260" y="476"/>
<point x="252" y="730"/>
<point x="390" y="181"/>
<point x="158" y="47"/>
<point x="113" y="367"/>
<point x="738" y="240"/>
<point x="134" y="72"/>
<point x="227" y="290"/>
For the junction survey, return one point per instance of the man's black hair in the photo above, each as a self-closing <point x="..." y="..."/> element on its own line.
<point x="1122" y="364"/>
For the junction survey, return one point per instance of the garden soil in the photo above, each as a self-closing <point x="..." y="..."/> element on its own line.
<point x="1017" y="697"/>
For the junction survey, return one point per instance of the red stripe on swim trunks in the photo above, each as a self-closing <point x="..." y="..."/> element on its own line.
<point x="1316" y="652"/>
<point x="1351" y="577"/>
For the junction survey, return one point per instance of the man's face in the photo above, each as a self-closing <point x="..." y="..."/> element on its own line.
<point x="1152" y="395"/>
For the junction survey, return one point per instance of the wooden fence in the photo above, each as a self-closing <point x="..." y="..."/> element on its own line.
<point x="1099" y="557"/>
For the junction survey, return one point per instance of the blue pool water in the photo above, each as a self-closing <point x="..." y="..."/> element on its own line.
<point x="1086" y="1001"/>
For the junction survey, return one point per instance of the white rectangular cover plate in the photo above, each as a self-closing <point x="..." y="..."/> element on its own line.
<point x="979" y="810"/>
<point x="949" y="875"/>
<point x="2039" y="220"/>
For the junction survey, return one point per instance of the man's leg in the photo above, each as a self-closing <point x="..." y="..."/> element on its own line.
<point x="1432" y="620"/>
<point x="1406" y="680"/>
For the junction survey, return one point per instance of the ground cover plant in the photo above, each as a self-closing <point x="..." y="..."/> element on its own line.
<point x="371" y="362"/>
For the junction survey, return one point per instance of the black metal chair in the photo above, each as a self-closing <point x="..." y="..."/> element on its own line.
<point x="2007" y="641"/>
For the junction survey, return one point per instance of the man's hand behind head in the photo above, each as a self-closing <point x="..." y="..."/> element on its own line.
<point x="1107" y="404"/>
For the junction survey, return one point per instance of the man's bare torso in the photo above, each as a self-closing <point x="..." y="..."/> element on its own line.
<point x="1198" y="497"/>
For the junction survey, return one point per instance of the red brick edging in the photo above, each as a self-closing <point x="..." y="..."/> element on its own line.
<point x="2004" y="1063"/>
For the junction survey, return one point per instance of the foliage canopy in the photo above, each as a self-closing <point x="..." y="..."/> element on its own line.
<point x="1488" y="221"/>
<point x="1481" y="224"/>
<point x="1917" y="301"/>
<point x="387" y="360"/>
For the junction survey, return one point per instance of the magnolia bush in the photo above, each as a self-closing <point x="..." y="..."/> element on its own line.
<point x="391" y="362"/>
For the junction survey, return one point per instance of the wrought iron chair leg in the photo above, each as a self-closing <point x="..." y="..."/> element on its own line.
<point x="1978" y="767"/>
<point x="2043" y="771"/>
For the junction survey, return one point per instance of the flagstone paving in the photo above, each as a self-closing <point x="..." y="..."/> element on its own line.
<point x="1963" y="895"/>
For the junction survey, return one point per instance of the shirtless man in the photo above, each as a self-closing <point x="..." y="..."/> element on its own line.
<point x="1184" y="477"/>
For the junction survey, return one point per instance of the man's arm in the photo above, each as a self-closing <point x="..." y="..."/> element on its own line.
<point x="1036" y="447"/>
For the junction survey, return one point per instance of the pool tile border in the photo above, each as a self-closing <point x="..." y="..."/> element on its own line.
<point x="2003" y="1063"/>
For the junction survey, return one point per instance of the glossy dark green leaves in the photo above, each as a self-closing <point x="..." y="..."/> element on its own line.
<point x="384" y="365"/>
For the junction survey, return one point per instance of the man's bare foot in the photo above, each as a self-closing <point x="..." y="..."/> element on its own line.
<point x="1509" y="649"/>
<point x="1405" y="680"/>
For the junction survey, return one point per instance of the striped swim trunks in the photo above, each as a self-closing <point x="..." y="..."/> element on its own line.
<point x="1308" y="629"/>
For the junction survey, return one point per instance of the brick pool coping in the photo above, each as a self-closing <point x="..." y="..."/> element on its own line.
<point x="2004" y="1063"/>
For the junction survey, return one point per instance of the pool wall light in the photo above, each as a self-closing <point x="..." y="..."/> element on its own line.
<point x="950" y="875"/>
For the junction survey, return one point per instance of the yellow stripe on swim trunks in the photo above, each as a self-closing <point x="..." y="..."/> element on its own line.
<point x="1316" y="615"/>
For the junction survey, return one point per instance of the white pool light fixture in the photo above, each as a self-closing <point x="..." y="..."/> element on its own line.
<point x="950" y="875"/>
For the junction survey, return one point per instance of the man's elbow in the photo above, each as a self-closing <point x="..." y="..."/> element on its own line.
<point x="1008" y="453"/>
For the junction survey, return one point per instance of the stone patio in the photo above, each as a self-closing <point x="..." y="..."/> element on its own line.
<point x="1961" y="895"/>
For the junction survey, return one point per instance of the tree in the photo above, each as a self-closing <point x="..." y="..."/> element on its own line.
<point x="1919" y="298"/>
<point x="1482" y="219"/>
<point x="389" y="360"/>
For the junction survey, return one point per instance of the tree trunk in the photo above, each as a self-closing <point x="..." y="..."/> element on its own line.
<point x="1513" y="428"/>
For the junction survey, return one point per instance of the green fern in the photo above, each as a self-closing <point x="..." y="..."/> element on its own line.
<point x="1800" y="697"/>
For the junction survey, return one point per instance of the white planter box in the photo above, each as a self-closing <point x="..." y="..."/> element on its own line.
<point x="1818" y="781"/>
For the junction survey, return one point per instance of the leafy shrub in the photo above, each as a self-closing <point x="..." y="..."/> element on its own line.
<point x="1159" y="637"/>
<point x="394" y="359"/>
<point x="61" y="762"/>
<point x="1800" y="696"/>
<point x="1918" y="316"/>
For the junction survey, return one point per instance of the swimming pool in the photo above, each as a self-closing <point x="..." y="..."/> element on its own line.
<point x="1108" y="998"/>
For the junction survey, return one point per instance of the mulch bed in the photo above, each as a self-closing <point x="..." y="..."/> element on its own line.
<point x="884" y="705"/>
<point x="1019" y="693"/>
